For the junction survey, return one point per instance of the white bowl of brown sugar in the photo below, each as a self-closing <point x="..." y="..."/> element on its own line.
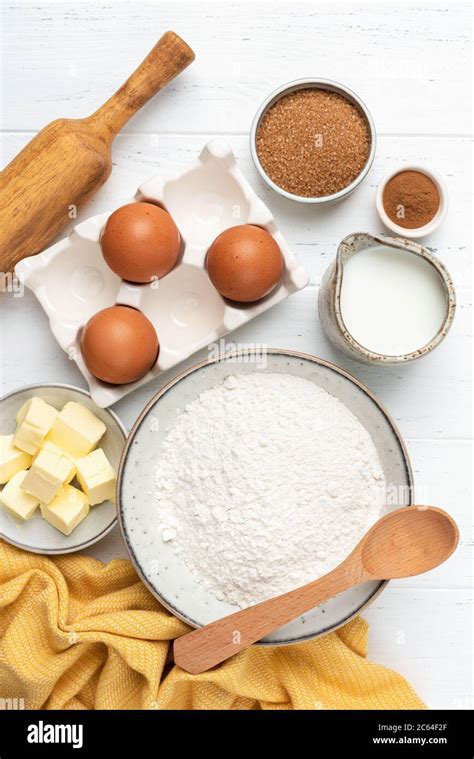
<point x="313" y="140"/>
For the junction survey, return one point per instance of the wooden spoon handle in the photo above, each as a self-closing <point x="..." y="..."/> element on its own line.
<point x="207" y="646"/>
<point x="168" y="58"/>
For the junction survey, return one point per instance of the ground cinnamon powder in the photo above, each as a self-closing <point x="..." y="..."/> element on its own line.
<point x="313" y="142"/>
<point x="411" y="199"/>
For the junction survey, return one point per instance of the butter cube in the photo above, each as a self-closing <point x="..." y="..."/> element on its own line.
<point x="96" y="477"/>
<point x="12" y="459"/>
<point x="34" y="420"/>
<point x="76" y="430"/>
<point x="67" y="509"/>
<point x="47" y="445"/>
<point x="50" y="470"/>
<point x="16" y="500"/>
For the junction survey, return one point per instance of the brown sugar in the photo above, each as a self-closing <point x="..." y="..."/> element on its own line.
<point x="411" y="199"/>
<point x="313" y="142"/>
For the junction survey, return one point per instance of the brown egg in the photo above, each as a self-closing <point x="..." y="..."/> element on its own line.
<point x="119" y="345"/>
<point x="244" y="263"/>
<point x="140" y="242"/>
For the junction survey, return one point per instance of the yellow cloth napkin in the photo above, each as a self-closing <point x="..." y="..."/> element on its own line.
<point x="79" y="634"/>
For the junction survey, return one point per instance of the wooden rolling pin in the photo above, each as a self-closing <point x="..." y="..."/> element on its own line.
<point x="67" y="162"/>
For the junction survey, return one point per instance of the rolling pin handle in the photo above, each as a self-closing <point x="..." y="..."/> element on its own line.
<point x="167" y="59"/>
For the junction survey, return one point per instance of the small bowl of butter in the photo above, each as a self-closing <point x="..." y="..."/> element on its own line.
<point x="59" y="454"/>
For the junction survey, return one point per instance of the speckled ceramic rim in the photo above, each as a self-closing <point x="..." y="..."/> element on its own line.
<point x="308" y="84"/>
<point x="419" y="250"/>
<point x="227" y="357"/>
<point x="427" y="229"/>
<point x="110" y="527"/>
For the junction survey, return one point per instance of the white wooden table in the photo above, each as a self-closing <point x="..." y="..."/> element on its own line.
<point x="408" y="61"/>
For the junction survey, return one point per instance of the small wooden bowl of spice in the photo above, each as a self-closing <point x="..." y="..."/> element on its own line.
<point x="412" y="201"/>
<point x="313" y="140"/>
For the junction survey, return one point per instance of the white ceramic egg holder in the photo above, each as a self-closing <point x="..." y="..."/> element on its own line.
<point x="72" y="281"/>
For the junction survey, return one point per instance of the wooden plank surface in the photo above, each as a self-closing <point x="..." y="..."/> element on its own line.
<point x="406" y="60"/>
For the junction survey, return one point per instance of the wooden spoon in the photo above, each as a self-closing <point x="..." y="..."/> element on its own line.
<point x="406" y="542"/>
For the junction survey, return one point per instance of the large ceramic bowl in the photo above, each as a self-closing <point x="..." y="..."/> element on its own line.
<point x="37" y="535"/>
<point x="161" y="569"/>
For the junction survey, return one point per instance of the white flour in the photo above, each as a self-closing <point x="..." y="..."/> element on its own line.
<point x="265" y="483"/>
